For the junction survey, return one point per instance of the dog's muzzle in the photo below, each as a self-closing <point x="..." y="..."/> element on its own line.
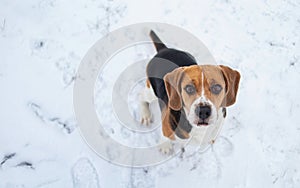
<point x="203" y="112"/>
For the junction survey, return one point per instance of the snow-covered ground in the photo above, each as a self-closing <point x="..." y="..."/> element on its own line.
<point x="43" y="41"/>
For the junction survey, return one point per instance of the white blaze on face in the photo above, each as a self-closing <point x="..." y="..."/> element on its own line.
<point x="192" y="116"/>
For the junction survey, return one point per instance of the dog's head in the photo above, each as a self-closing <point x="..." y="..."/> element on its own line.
<point x="201" y="90"/>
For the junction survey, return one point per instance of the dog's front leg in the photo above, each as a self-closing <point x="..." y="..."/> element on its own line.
<point x="166" y="146"/>
<point x="145" y="113"/>
<point x="146" y="97"/>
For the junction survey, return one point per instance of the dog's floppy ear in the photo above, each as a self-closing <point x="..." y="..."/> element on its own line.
<point x="232" y="79"/>
<point x="172" y="84"/>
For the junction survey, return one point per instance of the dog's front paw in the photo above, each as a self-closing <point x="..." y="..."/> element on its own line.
<point x="145" y="117"/>
<point x="166" y="148"/>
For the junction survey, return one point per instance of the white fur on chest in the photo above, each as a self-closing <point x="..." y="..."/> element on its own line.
<point x="205" y="135"/>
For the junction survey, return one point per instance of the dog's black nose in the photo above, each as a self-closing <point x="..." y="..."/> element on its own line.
<point x="203" y="112"/>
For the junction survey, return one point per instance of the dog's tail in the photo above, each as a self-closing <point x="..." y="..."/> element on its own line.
<point x="159" y="45"/>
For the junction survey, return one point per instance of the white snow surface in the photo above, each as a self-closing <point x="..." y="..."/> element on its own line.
<point x="43" y="41"/>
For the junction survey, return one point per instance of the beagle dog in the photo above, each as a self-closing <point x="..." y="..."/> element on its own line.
<point x="192" y="98"/>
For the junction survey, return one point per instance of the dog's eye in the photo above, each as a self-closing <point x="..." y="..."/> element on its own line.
<point x="190" y="89"/>
<point x="216" y="89"/>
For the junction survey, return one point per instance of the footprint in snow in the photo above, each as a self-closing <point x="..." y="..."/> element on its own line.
<point x="84" y="174"/>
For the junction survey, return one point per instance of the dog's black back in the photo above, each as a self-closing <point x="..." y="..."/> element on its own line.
<point x="165" y="61"/>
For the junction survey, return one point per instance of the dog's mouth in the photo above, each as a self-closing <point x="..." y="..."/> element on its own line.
<point x="202" y="123"/>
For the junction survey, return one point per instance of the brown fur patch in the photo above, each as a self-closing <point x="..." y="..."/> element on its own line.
<point x="148" y="84"/>
<point x="172" y="84"/>
<point x="166" y="126"/>
<point x="232" y="79"/>
<point x="173" y="125"/>
<point x="213" y="75"/>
